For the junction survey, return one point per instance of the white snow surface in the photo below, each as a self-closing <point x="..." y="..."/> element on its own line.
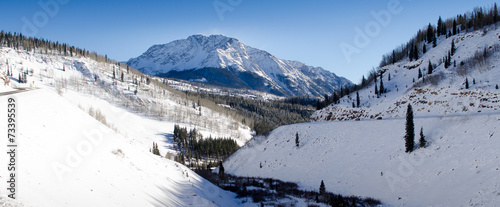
<point x="460" y="165"/>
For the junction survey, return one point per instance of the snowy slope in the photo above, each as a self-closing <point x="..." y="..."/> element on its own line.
<point x="447" y="96"/>
<point x="69" y="158"/>
<point x="367" y="157"/>
<point x="244" y="66"/>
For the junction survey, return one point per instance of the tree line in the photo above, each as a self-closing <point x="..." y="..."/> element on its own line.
<point x="191" y="145"/>
<point x="469" y="21"/>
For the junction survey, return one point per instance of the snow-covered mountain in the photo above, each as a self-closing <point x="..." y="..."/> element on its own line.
<point x="457" y="107"/>
<point x="225" y="61"/>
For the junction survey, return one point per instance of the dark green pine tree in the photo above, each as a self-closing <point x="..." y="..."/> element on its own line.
<point x="393" y="57"/>
<point x="376" y="90"/>
<point x="415" y="53"/>
<point x="357" y="99"/>
<point x="419" y="73"/>
<point x="322" y="189"/>
<point x="466" y="83"/>
<point x="114" y="74"/>
<point x="410" y="55"/>
<point x="410" y="130"/>
<point x="440" y="27"/>
<point x="363" y="81"/>
<point x="424" y="49"/>
<point x="496" y="87"/>
<point x="381" y="90"/>
<point x="434" y="41"/>
<point x="430" y="33"/>
<point x="297" y="139"/>
<point x="495" y="12"/>
<point x="453" y="48"/>
<point x="429" y="69"/>
<point x="449" y="58"/>
<point x="422" y="141"/>
<point x="221" y="171"/>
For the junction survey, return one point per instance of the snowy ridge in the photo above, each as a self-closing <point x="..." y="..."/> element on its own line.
<point x="366" y="157"/>
<point x="281" y="77"/>
<point x="446" y="96"/>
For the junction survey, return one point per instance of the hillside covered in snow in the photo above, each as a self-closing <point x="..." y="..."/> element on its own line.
<point x="86" y="130"/>
<point x="225" y="61"/>
<point x="359" y="148"/>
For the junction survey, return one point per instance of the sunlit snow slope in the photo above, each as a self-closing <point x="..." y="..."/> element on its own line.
<point x="459" y="167"/>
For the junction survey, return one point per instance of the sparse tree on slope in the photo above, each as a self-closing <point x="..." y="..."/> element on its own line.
<point x="423" y="142"/>
<point x="357" y="99"/>
<point x="410" y="130"/>
<point x="381" y="90"/>
<point x="429" y="70"/>
<point x="297" y="139"/>
<point x="221" y="171"/>
<point x="322" y="189"/>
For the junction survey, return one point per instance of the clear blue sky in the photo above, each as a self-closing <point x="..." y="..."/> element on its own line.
<point x="307" y="31"/>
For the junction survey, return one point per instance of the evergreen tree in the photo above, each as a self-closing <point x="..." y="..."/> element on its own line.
<point x="393" y="57"/>
<point x="419" y="73"/>
<point x="122" y="77"/>
<point x="430" y="33"/>
<point x="114" y="74"/>
<point x="424" y="49"/>
<point x="415" y="53"/>
<point x="440" y="27"/>
<point x="496" y="87"/>
<point x="410" y="55"/>
<point x="389" y="77"/>
<point x="381" y="89"/>
<point x="357" y="99"/>
<point x="423" y="143"/>
<point x="221" y="171"/>
<point x="466" y="83"/>
<point x="453" y="48"/>
<point x="429" y="70"/>
<point x="495" y="13"/>
<point x="322" y="189"/>
<point x="363" y="81"/>
<point x="410" y="130"/>
<point x="297" y="139"/>
<point x="473" y="81"/>
<point x="434" y="41"/>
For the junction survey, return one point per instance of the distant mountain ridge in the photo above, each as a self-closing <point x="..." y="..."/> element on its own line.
<point x="225" y="61"/>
